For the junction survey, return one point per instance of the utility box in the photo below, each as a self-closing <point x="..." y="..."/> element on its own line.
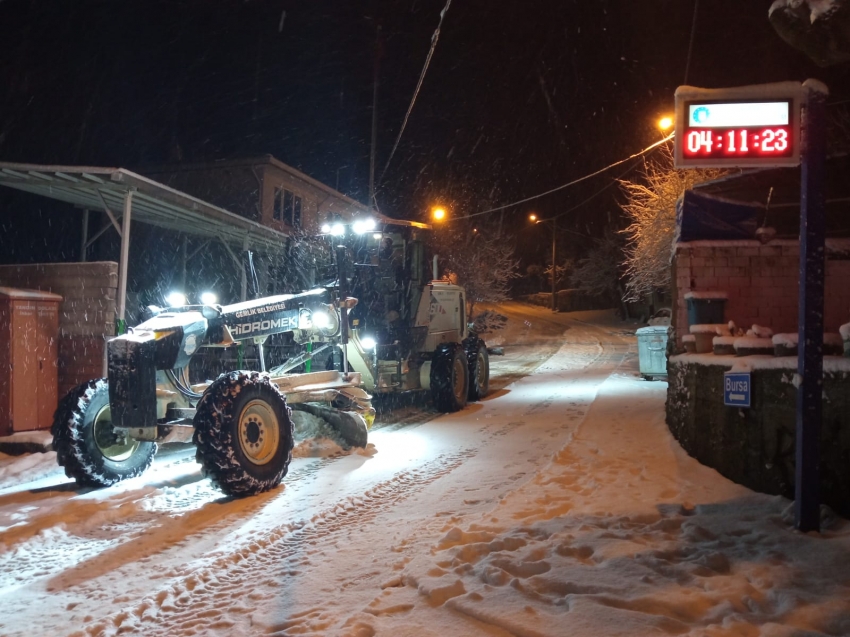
<point x="29" y="351"/>
<point x="706" y="307"/>
<point x="652" y="351"/>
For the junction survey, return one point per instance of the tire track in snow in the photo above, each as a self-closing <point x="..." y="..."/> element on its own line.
<point x="44" y="552"/>
<point x="204" y="600"/>
<point x="179" y="499"/>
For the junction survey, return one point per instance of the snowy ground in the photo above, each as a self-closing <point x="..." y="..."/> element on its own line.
<point x="560" y="505"/>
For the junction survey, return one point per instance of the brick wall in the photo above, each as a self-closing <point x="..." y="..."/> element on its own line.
<point x="86" y="315"/>
<point x="761" y="282"/>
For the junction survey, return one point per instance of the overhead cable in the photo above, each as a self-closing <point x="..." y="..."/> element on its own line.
<point x="691" y="41"/>
<point x="571" y="183"/>
<point x="434" y="39"/>
<point x="601" y="190"/>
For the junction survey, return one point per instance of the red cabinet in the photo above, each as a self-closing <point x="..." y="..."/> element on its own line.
<point x="29" y="347"/>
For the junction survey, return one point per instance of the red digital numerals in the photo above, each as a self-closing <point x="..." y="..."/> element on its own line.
<point x="738" y="142"/>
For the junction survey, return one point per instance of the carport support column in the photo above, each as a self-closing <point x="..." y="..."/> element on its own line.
<point x="554" y="243"/>
<point x="184" y="247"/>
<point x="125" y="253"/>
<point x="84" y="238"/>
<point x="245" y="269"/>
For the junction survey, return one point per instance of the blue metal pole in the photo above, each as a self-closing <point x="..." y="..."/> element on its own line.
<point x="812" y="270"/>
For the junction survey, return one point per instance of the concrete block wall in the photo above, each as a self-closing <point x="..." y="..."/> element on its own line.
<point x="756" y="446"/>
<point x="86" y="315"/>
<point x="761" y="282"/>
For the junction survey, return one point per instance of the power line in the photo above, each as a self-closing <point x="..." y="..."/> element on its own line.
<point x="601" y="190"/>
<point x="571" y="183"/>
<point x="434" y="39"/>
<point x="691" y="41"/>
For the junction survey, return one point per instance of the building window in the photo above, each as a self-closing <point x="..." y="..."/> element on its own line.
<point x="278" y="208"/>
<point x="296" y="213"/>
<point x="288" y="206"/>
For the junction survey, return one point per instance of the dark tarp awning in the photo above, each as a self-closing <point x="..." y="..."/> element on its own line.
<point x="701" y="217"/>
<point x="775" y="194"/>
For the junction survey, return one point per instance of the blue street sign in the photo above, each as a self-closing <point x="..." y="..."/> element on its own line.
<point x="736" y="389"/>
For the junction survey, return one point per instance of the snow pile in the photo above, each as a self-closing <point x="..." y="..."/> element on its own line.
<point x="786" y="340"/>
<point x="27" y="468"/>
<point x="760" y="332"/>
<point x="724" y="340"/>
<point x="720" y="329"/>
<point x="707" y="295"/>
<point x="752" y="342"/>
<point x="314" y="437"/>
<point x="818" y="8"/>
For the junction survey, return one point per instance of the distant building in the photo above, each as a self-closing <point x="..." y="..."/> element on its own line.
<point x="264" y="190"/>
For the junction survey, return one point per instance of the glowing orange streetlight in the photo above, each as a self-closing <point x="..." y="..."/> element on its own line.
<point x="439" y="214"/>
<point x="665" y="123"/>
<point x="532" y="217"/>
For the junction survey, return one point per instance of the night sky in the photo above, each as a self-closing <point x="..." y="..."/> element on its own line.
<point x="519" y="97"/>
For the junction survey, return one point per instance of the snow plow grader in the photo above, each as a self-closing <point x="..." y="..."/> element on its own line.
<point x="398" y="329"/>
<point x="108" y="429"/>
<point x="409" y="330"/>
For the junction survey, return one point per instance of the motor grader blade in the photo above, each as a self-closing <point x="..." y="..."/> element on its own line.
<point x="350" y="425"/>
<point x="333" y="398"/>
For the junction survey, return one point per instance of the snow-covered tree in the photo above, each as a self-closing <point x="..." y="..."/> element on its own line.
<point x="478" y="259"/>
<point x="651" y="212"/>
<point x="819" y="28"/>
<point x="535" y="273"/>
<point x="600" y="272"/>
<point x="562" y="272"/>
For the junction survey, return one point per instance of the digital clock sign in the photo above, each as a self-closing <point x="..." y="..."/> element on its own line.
<point x="744" y="126"/>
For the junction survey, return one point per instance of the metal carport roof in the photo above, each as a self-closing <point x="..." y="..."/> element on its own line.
<point x="123" y="195"/>
<point x="153" y="203"/>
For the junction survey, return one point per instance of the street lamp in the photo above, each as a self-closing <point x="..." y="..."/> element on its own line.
<point x="438" y="213"/>
<point x="665" y="123"/>
<point x="534" y="219"/>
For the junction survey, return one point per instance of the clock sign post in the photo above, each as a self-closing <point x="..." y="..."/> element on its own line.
<point x="766" y="125"/>
<point x="742" y="126"/>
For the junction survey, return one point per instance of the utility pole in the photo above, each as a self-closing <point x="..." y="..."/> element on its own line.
<point x="554" y="300"/>
<point x="374" y="117"/>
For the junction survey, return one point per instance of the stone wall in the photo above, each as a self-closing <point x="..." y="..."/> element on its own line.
<point x="570" y="301"/>
<point x="756" y="446"/>
<point x="86" y="315"/>
<point x="761" y="282"/>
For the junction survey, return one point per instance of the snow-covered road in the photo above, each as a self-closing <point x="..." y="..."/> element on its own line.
<point x="557" y="506"/>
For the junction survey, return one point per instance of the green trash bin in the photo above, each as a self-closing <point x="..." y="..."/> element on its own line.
<point x="706" y="307"/>
<point x="652" y="351"/>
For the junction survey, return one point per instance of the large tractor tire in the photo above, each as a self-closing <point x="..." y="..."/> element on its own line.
<point x="479" y="368"/>
<point x="243" y="434"/>
<point x="450" y="378"/>
<point x="86" y="444"/>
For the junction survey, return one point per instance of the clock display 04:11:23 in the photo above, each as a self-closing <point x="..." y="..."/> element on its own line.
<point x="735" y="142"/>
